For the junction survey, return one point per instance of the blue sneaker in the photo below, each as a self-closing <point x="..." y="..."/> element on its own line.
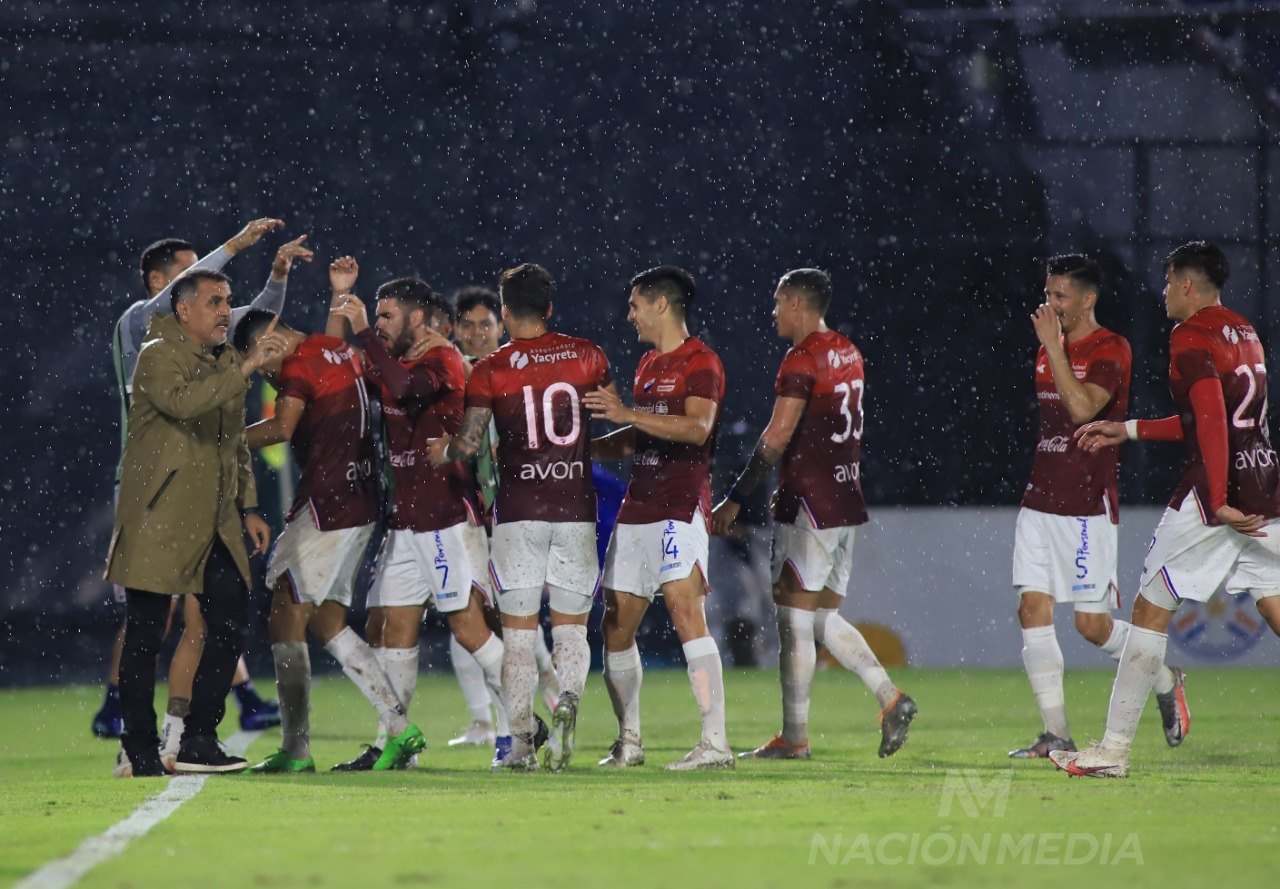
<point x="260" y="716"/>
<point x="108" y="722"/>
<point x="501" y="750"/>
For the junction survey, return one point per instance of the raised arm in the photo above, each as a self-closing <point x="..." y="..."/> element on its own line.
<point x="343" y="273"/>
<point x="271" y="299"/>
<point x="773" y="443"/>
<point x="1083" y="400"/>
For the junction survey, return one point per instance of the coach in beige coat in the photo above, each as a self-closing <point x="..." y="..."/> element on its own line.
<point x="185" y="491"/>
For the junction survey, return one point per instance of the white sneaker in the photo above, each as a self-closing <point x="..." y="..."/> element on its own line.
<point x="1094" y="761"/>
<point x="478" y="734"/>
<point x="704" y="756"/>
<point x="124" y="768"/>
<point x="625" y="753"/>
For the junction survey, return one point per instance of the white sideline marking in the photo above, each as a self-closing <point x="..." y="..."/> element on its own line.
<point x="95" y="850"/>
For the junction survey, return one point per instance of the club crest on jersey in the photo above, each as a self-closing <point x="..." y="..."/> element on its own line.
<point x="648" y="385"/>
<point x="519" y="360"/>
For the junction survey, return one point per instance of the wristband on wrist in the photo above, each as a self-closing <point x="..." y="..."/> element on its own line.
<point x="1131" y="429"/>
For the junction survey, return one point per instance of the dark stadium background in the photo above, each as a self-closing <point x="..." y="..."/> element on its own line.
<point x="900" y="145"/>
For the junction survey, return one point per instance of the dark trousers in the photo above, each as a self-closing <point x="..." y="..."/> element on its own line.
<point x="224" y="604"/>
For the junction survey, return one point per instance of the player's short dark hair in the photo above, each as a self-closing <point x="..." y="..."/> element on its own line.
<point x="813" y="284"/>
<point x="254" y="323"/>
<point x="670" y="281"/>
<point x="1085" y="272"/>
<point x="467" y="298"/>
<point x="438" y="305"/>
<point x="526" y="290"/>
<point x="412" y="293"/>
<point x="1203" y="257"/>
<point x="186" y="285"/>
<point x="159" y="256"/>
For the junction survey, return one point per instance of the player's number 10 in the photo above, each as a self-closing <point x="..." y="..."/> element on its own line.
<point x="548" y="415"/>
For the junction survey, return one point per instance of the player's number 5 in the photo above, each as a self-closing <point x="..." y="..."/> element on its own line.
<point x="548" y="415"/>
<point x="846" y="391"/>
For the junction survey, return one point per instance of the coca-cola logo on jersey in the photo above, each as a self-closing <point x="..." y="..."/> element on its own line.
<point x="1056" y="445"/>
<point x="403" y="460"/>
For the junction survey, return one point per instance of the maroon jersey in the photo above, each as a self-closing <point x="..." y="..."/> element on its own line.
<point x="333" y="442"/>
<point x="422" y="400"/>
<point x="1217" y="342"/>
<point x="534" y="389"/>
<point x="670" y="480"/>
<point x="1066" y="480"/>
<point x="820" y="471"/>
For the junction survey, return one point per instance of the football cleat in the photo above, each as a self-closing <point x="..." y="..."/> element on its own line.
<point x="501" y="750"/>
<point x="478" y="734"/>
<point x="1095" y="761"/>
<point x="204" y="755"/>
<point x="894" y="722"/>
<point x="778" y="749"/>
<point x="281" y="762"/>
<point x="260" y="716"/>
<point x="362" y="763"/>
<point x="1175" y="715"/>
<point x="625" y="753"/>
<point x="704" y="757"/>
<point x="401" y="749"/>
<point x="540" y="732"/>
<point x="521" y="757"/>
<point x="1042" y="746"/>
<point x="564" y="721"/>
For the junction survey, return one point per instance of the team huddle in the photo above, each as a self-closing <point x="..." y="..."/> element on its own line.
<point x="480" y="475"/>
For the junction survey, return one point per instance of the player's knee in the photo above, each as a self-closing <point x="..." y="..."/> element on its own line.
<point x="1095" y="628"/>
<point x="1151" y="611"/>
<point x="1035" y="610"/>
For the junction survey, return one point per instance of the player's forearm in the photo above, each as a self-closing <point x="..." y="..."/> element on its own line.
<point x="1211" y="437"/>
<point x="1163" y="429"/>
<point x="617" y="445"/>
<point x="1074" y="394"/>
<point x="682" y="429"/>
<point x="470" y="437"/>
<point x="762" y="461"/>
<point x="266" y="433"/>
<point x="271" y="297"/>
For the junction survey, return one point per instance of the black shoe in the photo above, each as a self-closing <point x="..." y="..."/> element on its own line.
<point x="894" y="722"/>
<point x="1175" y="715"/>
<point x="540" y="733"/>
<point x="362" y="763"/>
<point x="1044" y="744"/>
<point x="204" y="755"/>
<point x="144" y="763"/>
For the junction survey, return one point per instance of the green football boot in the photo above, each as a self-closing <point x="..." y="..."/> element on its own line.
<point x="401" y="749"/>
<point x="282" y="763"/>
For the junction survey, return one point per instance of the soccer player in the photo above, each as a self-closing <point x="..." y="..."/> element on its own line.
<point x="1220" y="527"/>
<point x="435" y="549"/>
<point x="1065" y="542"/>
<point x="322" y="409"/>
<point x="478" y="331"/>
<point x="533" y="391"/>
<point x="815" y="437"/>
<point x="660" y="542"/>
<point x="160" y="265"/>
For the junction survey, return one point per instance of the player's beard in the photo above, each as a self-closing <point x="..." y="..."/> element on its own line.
<point x="402" y="343"/>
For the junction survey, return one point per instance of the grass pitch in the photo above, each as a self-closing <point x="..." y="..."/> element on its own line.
<point x="1209" y="811"/>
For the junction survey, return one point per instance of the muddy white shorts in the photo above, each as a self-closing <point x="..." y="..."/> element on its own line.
<point x="432" y="567"/>
<point x="1190" y="560"/>
<point x="1072" y="558"/>
<point x="319" y="566"/>
<point x="641" y="558"/>
<point x="821" y="558"/>
<point x="527" y="555"/>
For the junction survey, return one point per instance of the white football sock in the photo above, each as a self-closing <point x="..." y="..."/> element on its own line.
<point x="847" y="646"/>
<point x="362" y="668"/>
<point x="519" y="678"/>
<point x="623" y="676"/>
<point x="1139" y="666"/>
<point x="1042" y="657"/>
<point x="548" y="681"/>
<point x="401" y="668"/>
<point x="797" y="657"/>
<point x="490" y="656"/>
<point x="471" y="680"/>
<point x="171" y="734"/>
<point x="706" y="675"/>
<point x="293" y="691"/>
<point x="572" y="657"/>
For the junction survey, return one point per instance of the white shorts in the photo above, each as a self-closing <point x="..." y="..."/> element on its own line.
<point x="528" y="555"/>
<point x="436" y="567"/>
<point x="1072" y="558"/>
<point x="1190" y="560"/>
<point x="321" y="566"/>
<point x="822" y="558"/>
<point x="641" y="558"/>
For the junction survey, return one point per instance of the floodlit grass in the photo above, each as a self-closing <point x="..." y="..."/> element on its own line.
<point x="1207" y="812"/>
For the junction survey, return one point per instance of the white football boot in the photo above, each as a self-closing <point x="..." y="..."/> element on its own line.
<point x="703" y="757"/>
<point x="1095" y="761"/>
<point x="478" y="734"/>
<point x="625" y="753"/>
